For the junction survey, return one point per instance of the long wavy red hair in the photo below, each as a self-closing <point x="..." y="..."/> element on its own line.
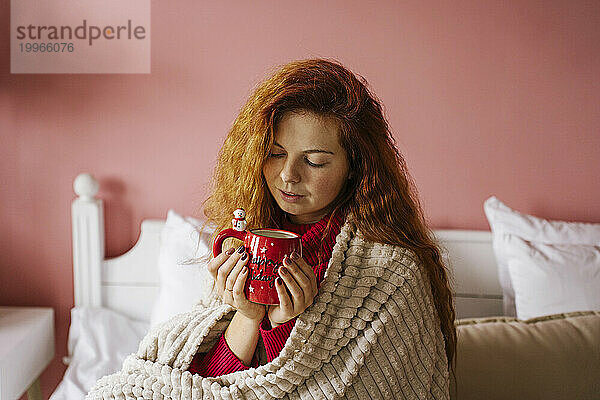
<point x="380" y="191"/>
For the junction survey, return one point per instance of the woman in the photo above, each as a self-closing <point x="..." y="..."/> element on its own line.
<point x="367" y="311"/>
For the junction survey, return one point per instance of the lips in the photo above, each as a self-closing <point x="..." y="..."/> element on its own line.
<point x="289" y="197"/>
<point x="290" y="193"/>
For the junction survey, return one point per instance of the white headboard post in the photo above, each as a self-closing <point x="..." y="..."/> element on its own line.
<point x="88" y="241"/>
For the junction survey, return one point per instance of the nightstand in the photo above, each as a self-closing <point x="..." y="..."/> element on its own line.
<point x="26" y="349"/>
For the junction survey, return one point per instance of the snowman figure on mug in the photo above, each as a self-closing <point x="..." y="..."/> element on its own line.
<point x="239" y="220"/>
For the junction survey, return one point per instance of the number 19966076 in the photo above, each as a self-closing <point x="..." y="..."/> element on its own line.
<point x="35" y="47"/>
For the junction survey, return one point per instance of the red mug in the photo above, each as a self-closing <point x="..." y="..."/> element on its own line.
<point x="266" y="248"/>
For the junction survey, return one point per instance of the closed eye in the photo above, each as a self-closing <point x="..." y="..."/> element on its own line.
<point x="313" y="164"/>
<point x="278" y="155"/>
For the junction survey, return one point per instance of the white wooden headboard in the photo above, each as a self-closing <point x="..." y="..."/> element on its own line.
<point x="130" y="283"/>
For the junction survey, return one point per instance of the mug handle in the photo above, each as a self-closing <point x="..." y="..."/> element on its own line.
<point x="218" y="244"/>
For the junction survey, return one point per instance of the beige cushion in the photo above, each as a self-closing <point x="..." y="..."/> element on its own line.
<point x="551" y="357"/>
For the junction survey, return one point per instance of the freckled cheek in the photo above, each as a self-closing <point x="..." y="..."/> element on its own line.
<point x="325" y="187"/>
<point x="269" y="174"/>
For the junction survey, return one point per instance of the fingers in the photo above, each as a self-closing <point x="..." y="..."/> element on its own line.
<point x="292" y="285"/>
<point x="240" y="301"/>
<point x="238" y="287"/>
<point x="285" y="303"/>
<point x="233" y="275"/>
<point x="216" y="262"/>
<point x="303" y="278"/>
<point x="225" y="269"/>
<point x="307" y="269"/>
<point x="296" y="288"/>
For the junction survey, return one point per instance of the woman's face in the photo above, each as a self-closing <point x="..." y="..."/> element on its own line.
<point x="307" y="161"/>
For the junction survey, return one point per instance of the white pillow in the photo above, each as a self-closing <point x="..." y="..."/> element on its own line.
<point x="545" y="267"/>
<point x="99" y="340"/>
<point x="182" y="286"/>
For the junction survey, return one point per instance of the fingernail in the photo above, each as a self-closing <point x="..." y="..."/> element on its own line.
<point x="240" y="249"/>
<point x="294" y="255"/>
<point x="230" y="251"/>
<point x="244" y="256"/>
<point x="282" y="271"/>
<point x="286" y="260"/>
<point x="278" y="280"/>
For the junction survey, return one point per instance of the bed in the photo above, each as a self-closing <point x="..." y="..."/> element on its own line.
<point x="115" y="298"/>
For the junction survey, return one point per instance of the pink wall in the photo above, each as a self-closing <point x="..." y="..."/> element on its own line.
<point x="484" y="98"/>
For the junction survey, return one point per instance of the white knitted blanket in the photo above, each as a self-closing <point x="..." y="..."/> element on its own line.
<point x="372" y="332"/>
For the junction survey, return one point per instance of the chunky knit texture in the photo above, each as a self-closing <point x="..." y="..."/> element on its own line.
<point x="372" y="332"/>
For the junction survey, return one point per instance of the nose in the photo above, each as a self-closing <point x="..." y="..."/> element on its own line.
<point x="289" y="172"/>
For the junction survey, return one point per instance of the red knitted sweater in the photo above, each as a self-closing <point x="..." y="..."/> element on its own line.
<point x="220" y="359"/>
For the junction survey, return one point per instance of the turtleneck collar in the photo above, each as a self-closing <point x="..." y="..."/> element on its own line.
<point x="311" y="236"/>
<point x="301" y="229"/>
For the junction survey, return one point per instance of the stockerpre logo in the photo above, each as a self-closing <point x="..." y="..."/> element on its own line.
<point x="80" y="36"/>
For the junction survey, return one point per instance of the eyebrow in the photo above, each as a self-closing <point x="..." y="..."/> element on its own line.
<point x="308" y="151"/>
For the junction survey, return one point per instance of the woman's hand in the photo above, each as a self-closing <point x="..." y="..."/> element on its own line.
<point x="230" y="272"/>
<point x="298" y="278"/>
